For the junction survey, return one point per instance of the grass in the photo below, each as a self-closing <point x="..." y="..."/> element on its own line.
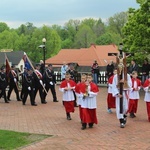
<point x="11" y="140"/>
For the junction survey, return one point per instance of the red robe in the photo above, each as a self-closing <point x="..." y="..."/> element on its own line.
<point x="89" y="115"/>
<point x="69" y="105"/>
<point x="133" y="103"/>
<point x="111" y="101"/>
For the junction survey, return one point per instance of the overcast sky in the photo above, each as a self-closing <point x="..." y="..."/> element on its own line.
<point x="49" y="12"/>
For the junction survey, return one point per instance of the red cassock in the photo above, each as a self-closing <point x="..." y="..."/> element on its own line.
<point x="146" y="84"/>
<point x="111" y="101"/>
<point x="80" y="88"/>
<point x="68" y="103"/>
<point x="89" y="114"/>
<point x="133" y="103"/>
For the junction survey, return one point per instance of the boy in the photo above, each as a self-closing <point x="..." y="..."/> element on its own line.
<point x="79" y="90"/>
<point x="146" y="87"/>
<point x="88" y="104"/>
<point x="67" y="86"/>
<point x="134" y="94"/>
<point x="111" y="101"/>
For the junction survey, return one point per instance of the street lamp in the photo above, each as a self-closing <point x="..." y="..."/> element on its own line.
<point x="44" y="49"/>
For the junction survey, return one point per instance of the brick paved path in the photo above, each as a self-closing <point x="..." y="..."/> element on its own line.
<point x="50" y="119"/>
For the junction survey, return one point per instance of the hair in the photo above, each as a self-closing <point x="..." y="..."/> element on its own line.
<point x="89" y="74"/>
<point x="134" y="72"/>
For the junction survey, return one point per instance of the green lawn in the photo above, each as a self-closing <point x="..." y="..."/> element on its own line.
<point x="10" y="140"/>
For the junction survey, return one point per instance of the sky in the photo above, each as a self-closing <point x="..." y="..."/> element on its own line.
<point x="49" y="12"/>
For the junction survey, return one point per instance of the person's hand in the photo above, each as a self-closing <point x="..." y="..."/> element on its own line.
<point x="119" y="95"/>
<point x="29" y="88"/>
<point x="15" y="80"/>
<point x="41" y="82"/>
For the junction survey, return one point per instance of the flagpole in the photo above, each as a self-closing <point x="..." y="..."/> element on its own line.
<point x="6" y="58"/>
<point x="35" y="72"/>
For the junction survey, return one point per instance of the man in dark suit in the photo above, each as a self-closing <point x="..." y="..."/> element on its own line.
<point x="49" y="79"/>
<point x="3" y="84"/>
<point x="13" y="83"/>
<point x="133" y="67"/>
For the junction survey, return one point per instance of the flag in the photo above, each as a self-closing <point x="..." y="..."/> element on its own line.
<point x="26" y="61"/>
<point x="8" y="67"/>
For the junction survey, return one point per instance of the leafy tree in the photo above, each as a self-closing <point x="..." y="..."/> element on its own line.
<point x="3" y="27"/>
<point x="137" y="31"/>
<point x="8" y="40"/>
<point x="84" y="37"/>
<point x="116" y="23"/>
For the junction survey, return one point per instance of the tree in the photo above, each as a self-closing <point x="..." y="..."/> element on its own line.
<point x="137" y="31"/>
<point x="3" y="27"/>
<point x="116" y="23"/>
<point x="84" y="37"/>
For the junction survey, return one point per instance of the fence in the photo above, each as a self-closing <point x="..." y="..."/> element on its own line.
<point x="102" y="78"/>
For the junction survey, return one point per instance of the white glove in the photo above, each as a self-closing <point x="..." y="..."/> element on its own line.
<point x="51" y="83"/>
<point x="44" y="84"/>
<point x="41" y="82"/>
<point x="15" y="80"/>
<point x="29" y="88"/>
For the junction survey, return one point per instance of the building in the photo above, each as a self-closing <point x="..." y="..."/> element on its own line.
<point x="84" y="57"/>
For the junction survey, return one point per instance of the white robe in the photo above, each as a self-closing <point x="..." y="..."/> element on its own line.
<point x="147" y="95"/>
<point x="89" y="101"/>
<point x="134" y="94"/>
<point x="115" y="91"/>
<point x="67" y="95"/>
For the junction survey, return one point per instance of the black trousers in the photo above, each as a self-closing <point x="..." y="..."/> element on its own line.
<point x="14" y="87"/>
<point x="41" y="93"/>
<point x="31" y="94"/>
<point x="3" y="93"/>
<point x="53" y="91"/>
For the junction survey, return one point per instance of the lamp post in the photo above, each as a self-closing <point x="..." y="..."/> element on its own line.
<point x="44" y="49"/>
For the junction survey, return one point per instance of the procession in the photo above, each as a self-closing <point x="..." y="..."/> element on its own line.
<point x="123" y="89"/>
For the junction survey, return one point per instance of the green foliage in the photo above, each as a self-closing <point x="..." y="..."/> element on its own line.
<point x="3" y="27"/>
<point x="137" y="31"/>
<point x="84" y="37"/>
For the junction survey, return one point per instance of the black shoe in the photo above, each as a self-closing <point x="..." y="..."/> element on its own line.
<point x="83" y="128"/>
<point x="44" y="102"/>
<point x="125" y="119"/>
<point x="90" y="125"/>
<point x="69" y="118"/>
<point x="8" y="99"/>
<point x="122" y="125"/>
<point x="34" y="104"/>
<point x="19" y="100"/>
<point x="6" y="102"/>
<point x="55" y="101"/>
<point x="23" y="104"/>
<point x="132" y="115"/>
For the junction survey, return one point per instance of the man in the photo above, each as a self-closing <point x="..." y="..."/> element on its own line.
<point x="49" y="79"/>
<point x="133" y="67"/>
<point x="38" y="77"/>
<point x="95" y="71"/>
<point x="110" y="69"/>
<point x="29" y="87"/>
<point x="64" y="69"/>
<point x="13" y="79"/>
<point x="22" y="79"/>
<point x="3" y="84"/>
<point x="115" y="92"/>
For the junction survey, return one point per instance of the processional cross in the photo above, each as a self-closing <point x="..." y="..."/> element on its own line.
<point x="121" y="71"/>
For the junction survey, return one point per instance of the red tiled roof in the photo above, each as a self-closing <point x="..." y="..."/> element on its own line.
<point x="85" y="56"/>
